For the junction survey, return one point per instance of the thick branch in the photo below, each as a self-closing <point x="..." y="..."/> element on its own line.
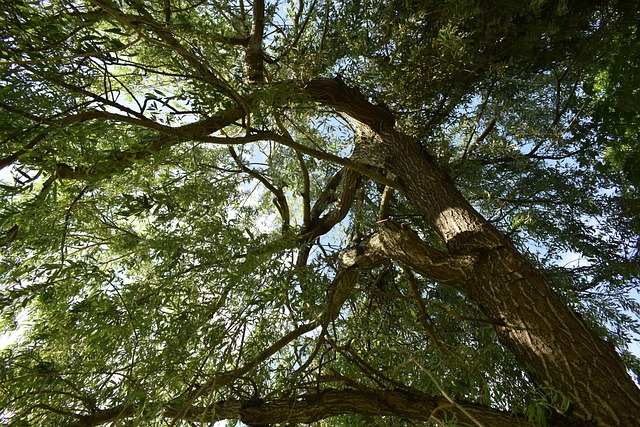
<point x="166" y="137"/>
<point x="405" y="246"/>
<point x="335" y="93"/>
<point x="313" y="407"/>
<point x="255" y="58"/>
<point x="556" y="347"/>
<point x="379" y="403"/>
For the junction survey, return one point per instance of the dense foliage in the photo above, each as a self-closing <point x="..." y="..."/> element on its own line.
<point x="187" y="210"/>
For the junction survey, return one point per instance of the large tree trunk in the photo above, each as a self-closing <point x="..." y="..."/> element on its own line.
<point x="551" y="342"/>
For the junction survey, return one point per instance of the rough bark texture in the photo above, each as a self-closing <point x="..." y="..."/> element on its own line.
<point x="328" y="403"/>
<point x="310" y="408"/>
<point x="549" y="339"/>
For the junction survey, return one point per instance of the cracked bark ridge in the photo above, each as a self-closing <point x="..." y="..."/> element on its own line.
<point x="314" y="407"/>
<point x="404" y="245"/>
<point x="551" y="342"/>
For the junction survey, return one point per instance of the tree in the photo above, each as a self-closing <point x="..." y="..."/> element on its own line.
<point x="284" y="213"/>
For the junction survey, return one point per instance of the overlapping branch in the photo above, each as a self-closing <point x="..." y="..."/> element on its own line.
<point x="324" y="404"/>
<point x="167" y="136"/>
<point x="405" y="246"/>
<point x="352" y="262"/>
<point x="546" y="336"/>
<point x="280" y="200"/>
<point x="144" y="22"/>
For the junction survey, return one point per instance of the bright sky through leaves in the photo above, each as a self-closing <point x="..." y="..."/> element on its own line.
<point x="319" y="212"/>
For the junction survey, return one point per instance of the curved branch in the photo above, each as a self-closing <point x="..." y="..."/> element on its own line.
<point x="145" y="20"/>
<point x="280" y="200"/>
<point x="345" y="195"/>
<point x="167" y="137"/>
<point x="348" y="100"/>
<point x="306" y="182"/>
<point x="326" y="197"/>
<point x="324" y="404"/>
<point x="328" y="194"/>
<point x="404" y="245"/>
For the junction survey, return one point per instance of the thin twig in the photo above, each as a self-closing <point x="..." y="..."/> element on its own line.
<point x="446" y="395"/>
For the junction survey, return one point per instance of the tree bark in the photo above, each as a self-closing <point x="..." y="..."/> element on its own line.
<point x="328" y="403"/>
<point x="368" y="403"/>
<point x="551" y="342"/>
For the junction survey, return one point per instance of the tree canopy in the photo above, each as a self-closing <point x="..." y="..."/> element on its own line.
<point x="320" y="211"/>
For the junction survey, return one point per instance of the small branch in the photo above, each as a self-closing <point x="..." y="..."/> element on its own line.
<point x="64" y="57"/>
<point x="225" y="378"/>
<point x="280" y="200"/>
<point x="9" y="236"/>
<point x="362" y="169"/>
<point x="7" y="160"/>
<point x="372" y="373"/>
<point x="345" y="195"/>
<point x="306" y="191"/>
<point x="430" y="330"/>
<point x="299" y="30"/>
<point x="67" y="219"/>
<point x="352" y="261"/>
<point x="387" y="195"/>
<point x="306" y="183"/>
<point x="446" y="395"/>
<point x="486" y="131"/>
<point x="81" y="90"/>
<point x="168" y="41"/>
<point x="23" y="113"/>
<point x="469" y="143"/>
<point x="328" y="194"/>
